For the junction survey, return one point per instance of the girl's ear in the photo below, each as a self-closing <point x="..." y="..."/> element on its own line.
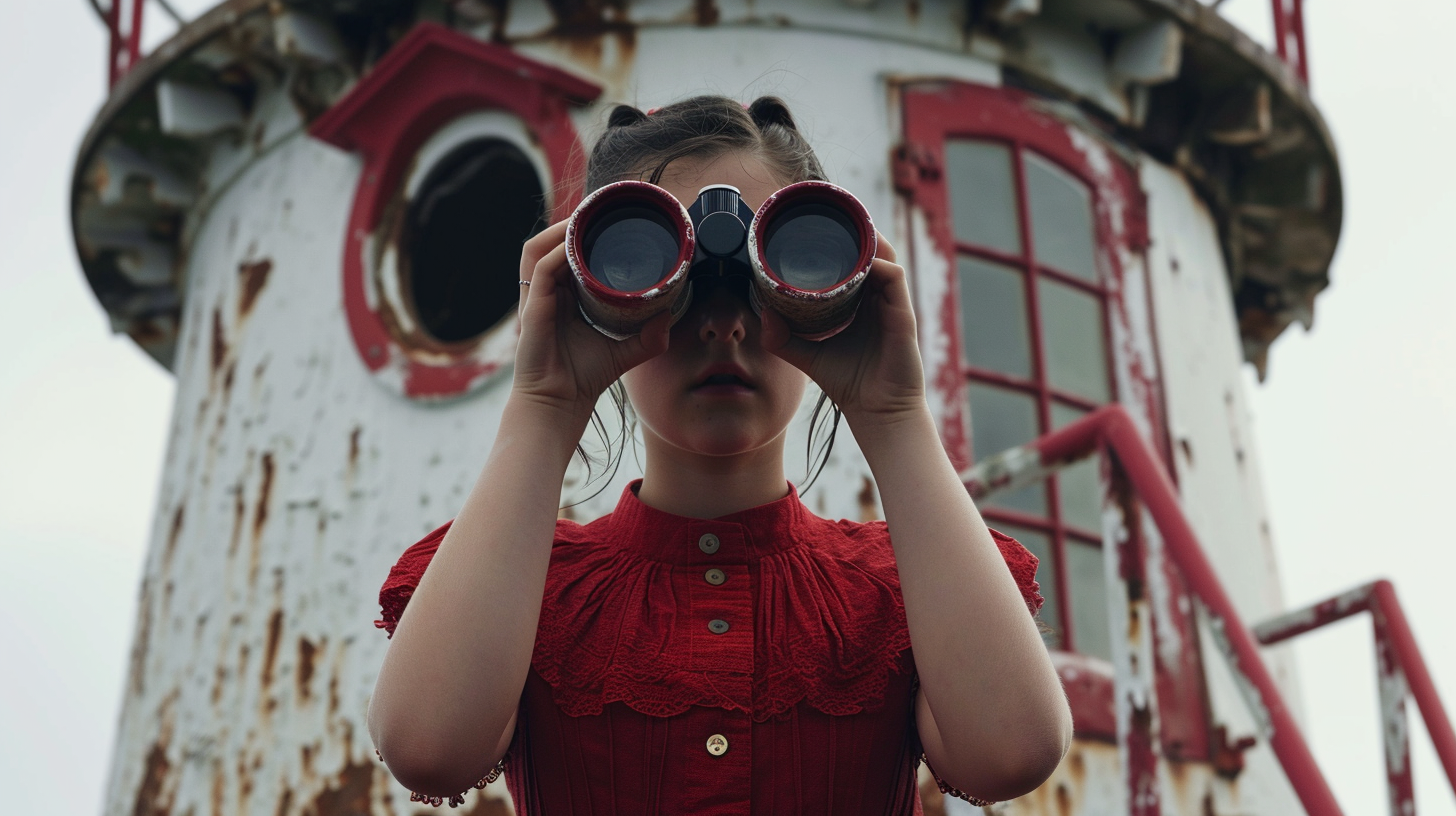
<point x="624" y="115"/>
<point x="770" y="110"/>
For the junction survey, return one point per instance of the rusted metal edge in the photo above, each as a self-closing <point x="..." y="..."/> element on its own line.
<point x="1259" y="327"/>
<point x="150" y="329"/>
<point x="1113" y="427"/>
<point x="1289" y="299"/>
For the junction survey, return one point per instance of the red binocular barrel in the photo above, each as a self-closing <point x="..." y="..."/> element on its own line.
<point x="634" y="251"/>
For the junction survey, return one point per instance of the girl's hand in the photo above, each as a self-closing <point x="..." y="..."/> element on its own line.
<point x="561" y="361"/>
<point x="872" y="369"/>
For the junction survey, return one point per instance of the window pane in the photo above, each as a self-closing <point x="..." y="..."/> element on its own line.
<point x="1040" y="545"/>
<point x="1087" y="584"/>
<point x="1080" y="485"/>
<point x="1076" y="353"/>
<point x="1061" y="219"/>
<point x="982" y="194"/>
<point x="1001" y="419"/>
<point x="994" y="331"/>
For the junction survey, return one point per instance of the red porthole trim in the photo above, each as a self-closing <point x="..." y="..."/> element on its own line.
<point x="429" y="78"/>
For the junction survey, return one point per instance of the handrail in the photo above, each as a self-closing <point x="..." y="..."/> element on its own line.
<point x="1401" y="670"/>
<point x="1289" y="36"/>
<point x="125" y="48"/>
<point x="1112" y="428"/>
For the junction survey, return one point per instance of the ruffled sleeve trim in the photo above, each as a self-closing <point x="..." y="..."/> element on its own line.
<point x="399" y="587"/>
<point x="1023" y="568"/>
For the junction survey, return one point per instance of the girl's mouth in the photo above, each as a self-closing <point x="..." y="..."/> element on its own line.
<point x="724" y="380"/>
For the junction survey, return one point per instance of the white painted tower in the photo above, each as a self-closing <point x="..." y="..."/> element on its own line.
<point x="310" y="212"/>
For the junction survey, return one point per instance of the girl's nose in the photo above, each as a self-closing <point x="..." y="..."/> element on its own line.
<point x="725" y="312"/>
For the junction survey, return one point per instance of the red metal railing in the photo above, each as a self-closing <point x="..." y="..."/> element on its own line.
<point x="1289" y="36"/>
<point x="125" y="40"/>
<point x="1401" y="671"/>
<point x="1111" y="429"/>
<point x="123" y="20"/>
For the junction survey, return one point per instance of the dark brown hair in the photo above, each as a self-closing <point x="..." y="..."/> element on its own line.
<point x="638" y="145"/>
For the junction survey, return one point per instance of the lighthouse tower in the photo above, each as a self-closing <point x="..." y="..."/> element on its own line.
<point x="310" y="211"/>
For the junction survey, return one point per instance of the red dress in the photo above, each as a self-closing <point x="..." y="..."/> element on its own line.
<point x="754" y="663"/>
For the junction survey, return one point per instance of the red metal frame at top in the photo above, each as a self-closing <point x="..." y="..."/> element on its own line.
<point x="124" y="47"/>
<point x="1289" y="41"/>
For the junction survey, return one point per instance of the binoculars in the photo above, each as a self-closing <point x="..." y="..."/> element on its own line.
<point x="635" y="251"/>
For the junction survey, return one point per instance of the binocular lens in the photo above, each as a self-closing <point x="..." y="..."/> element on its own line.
<point x="631" y="248"/>
<point x="811" y="246"/>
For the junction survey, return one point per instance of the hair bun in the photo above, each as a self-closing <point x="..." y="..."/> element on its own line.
<point x="624" y="115"/>
<point x="770" y="110"/>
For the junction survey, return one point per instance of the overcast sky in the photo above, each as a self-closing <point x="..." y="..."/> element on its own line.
<point x="1356" y="427"/>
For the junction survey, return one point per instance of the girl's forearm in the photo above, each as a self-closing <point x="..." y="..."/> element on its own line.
<point x="446" y="697"/>
<point x="1000" y="717"/>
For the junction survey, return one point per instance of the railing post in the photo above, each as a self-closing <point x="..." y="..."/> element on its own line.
<point x="1134" y="664"/>
<point x="1289" y="36"/>
<point x="1114" y="427"/>
<point x="1402" y="643"/>
<point x="1394" y="724"/>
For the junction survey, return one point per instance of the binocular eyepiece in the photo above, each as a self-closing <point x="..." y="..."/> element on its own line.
<point x="635" y="251"/>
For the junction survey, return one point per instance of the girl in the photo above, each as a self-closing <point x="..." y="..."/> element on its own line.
<point x="712" y="647"/>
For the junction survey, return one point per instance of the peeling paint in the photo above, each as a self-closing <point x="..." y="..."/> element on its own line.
<point x="258" y="198"/>
<point x="347" y="792"/>
<point x="172" y="536"/>
<point x="219" y="345"/>
<point x="253" y="275"/>
<point x="307" y="652"/>
<point x="153" y="798"/>
<point x="270" y="648"/>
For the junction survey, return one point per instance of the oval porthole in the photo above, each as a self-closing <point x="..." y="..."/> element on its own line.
<point x="460" y="246"/>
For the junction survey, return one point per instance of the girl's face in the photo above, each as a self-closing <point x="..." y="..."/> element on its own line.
<point x="716" y="391"/>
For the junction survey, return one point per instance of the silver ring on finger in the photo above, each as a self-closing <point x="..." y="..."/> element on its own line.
<point x="523" y="283"/>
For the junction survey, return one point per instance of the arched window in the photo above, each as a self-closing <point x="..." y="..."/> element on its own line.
<point x="1027" y="236"/>
<point x="1034" y="355"/>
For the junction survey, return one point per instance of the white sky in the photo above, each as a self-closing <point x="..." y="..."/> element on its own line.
<point x="1356" y="426"/>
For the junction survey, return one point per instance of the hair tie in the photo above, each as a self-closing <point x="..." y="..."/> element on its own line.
<point x="625" y="115"/>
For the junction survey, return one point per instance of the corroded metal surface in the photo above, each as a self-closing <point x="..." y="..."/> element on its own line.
<point x="216" y="236"/>
<point x="1401" y="672"/>
<point x="1275" y="188"/>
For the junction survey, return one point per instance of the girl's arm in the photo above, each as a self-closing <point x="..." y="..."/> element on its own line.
<point x="444" y="706"/>
<point x="992" y="715"/>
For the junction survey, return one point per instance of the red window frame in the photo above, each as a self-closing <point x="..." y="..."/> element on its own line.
<point x="934" y="113"/>
<point x="431" y="76"/>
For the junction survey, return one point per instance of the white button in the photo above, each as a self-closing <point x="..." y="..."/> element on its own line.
<point x="717" y="745"/>
<point x="708" y="543"/>
<point x="715" y="576"/>
<point x="717" y="626"/>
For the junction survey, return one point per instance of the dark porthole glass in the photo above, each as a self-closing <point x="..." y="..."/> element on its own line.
<point x="460" y="249"/>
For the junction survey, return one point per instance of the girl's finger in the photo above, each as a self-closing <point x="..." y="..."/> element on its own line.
<point x="646" y="344"/>
<point x="540" y="245"/>
<point x="548" y="273"/>
<point x="883" y="248"/>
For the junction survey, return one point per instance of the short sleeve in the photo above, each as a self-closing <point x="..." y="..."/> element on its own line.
<point x="1023" y="568"/>
<point x="405" y="576"/>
